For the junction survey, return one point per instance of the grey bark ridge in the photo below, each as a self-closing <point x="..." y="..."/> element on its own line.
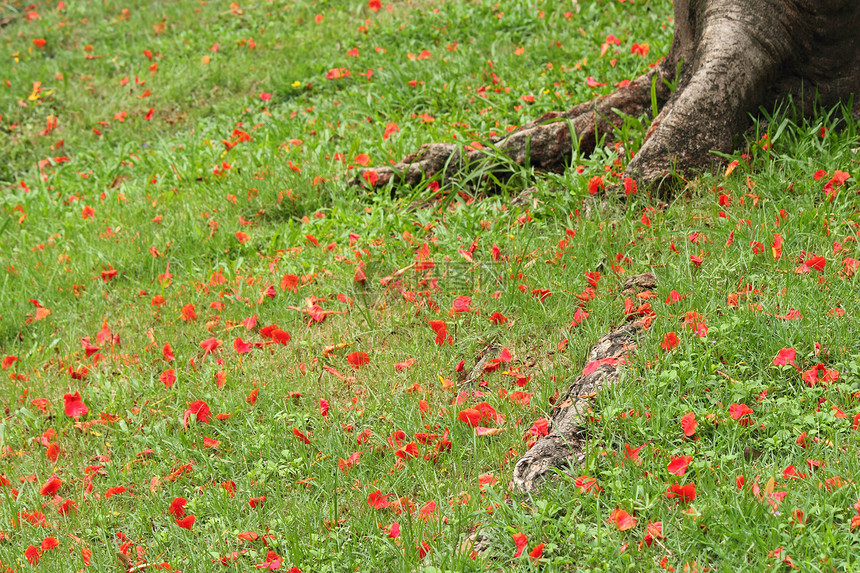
<point x="565" y="442"/>
<point x="728" y="59"/>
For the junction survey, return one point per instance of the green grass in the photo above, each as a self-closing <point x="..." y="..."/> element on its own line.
<point x="159" y="215"/>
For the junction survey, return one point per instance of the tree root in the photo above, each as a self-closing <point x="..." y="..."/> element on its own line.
<point x="565" y="443"/>
<point x="546" y="143"/>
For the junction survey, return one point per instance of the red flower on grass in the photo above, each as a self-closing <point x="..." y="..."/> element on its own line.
<point x="51" y="486"/>
<point x="592" y="277"/>
<point x="678" y="465"/>
<point x="670" y="341"/>
<point x="632" y="454"/>
<point x="277" y="335"/>
<point x="482" y="412"/>
<point x="197" y="408"/>
<point x="785" y="357"/>
<point x="378" y="501"/>
<point x="596" y="183"/>
<point x="74" y="407"/>
<point x="407" y="451"/>
<point x="688" y="424"/>
<point x="353" y="459"/>
<point x="539" y="428"/>
<point x="177" y="507"/>
<point x="791" y="473"/>
<point x="520" y="540"/>
<point x="358" y="359"/>
<point x="210" y="443"/>
<point x="440" y="327"/>
<point x="739" y="411"/>
<point x="498" y="318"/>
<point x="686" y="493"/>
<point x="116" y="490"/>
<point x="188" y="313"/>
<point x="186" y="522"/>
<point x="303" y="438"/>
<point x="241" y="346"/>
<point x="272" y="563"/>
<point x="32" y="554"/>
<point x="168" y="377"/>
<point x="819" y="373"/>
<point x="654" y="531"/>
<point x="813" y="263"/>
<point x="470" y="416"/>
<point x="578" y="317"/>
<point x="210" y="345"/>
<point x="622" y="520"/>
<point x="630" y="188"/>
<point x="461" y="304"/>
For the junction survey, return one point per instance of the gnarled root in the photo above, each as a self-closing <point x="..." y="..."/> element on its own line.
<point x="546" y="142"/>
<point x="565" y="443"/>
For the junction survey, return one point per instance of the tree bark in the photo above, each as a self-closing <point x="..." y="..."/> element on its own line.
<point x="564" y="444"/>
<point x="734" y="56"/>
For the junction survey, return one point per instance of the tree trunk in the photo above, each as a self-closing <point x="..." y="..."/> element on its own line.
<point x="734" y="56"/>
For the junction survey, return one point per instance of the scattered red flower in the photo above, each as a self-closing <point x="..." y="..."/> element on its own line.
<point x="621" y="519"/>
<point x="301" y="436"/>
<point x="378" y="501"/>
<point x="74" y="407"/>
<point x="688" y="424"/>
<point x="653" y="531"/>
<point x="678" y="465"/>
<point x="51" y="486"/>
<point x="177" y="507"/>
<point x="358" y="359"/>
<point x="186" y="522"/>
<point x="819" y="373"/>
<point x="200" y="410"/>
<point x="785" y="357"/>
<point x="520" y="540"/>
<point x="670" y="341"/>
<point x="685" y="493"/>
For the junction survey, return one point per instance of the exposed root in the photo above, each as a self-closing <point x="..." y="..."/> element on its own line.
<point x="565" y="443"/>
<point x="546" y="143"/>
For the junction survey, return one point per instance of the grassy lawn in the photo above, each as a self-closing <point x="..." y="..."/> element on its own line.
<point x="194" y="372"/>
